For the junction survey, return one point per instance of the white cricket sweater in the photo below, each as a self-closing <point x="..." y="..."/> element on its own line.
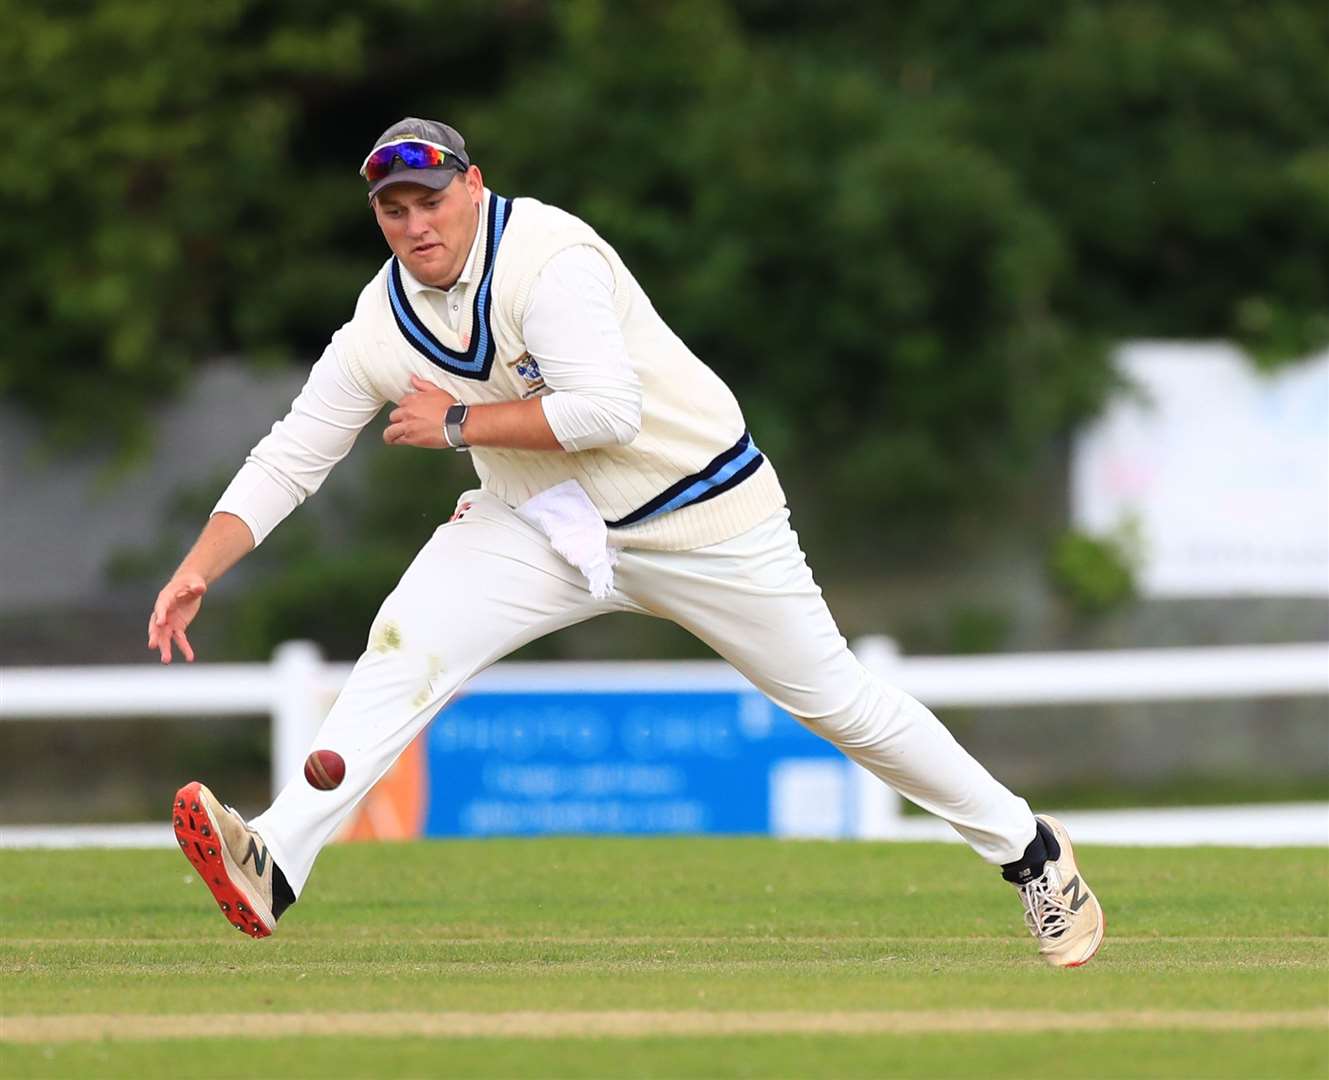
<point x="691" y="476"/>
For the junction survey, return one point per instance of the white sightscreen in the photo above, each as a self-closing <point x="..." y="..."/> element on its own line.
<point x="1221" y="470"/>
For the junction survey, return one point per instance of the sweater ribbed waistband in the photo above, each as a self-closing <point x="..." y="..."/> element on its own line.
<point x="719" y="517"/>
<point x="725" y="471"/>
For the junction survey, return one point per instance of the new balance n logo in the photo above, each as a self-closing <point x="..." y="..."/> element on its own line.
<point x="260" y="857"/>
<point x="1078" y="897"/>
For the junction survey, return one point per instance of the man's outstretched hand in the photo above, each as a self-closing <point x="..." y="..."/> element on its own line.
<point x="176" y="606"/>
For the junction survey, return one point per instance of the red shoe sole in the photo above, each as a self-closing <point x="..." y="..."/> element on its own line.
<point x="199" y="840"/>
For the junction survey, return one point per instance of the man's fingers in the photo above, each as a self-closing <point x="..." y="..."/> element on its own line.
<point x="423" y="385"/>
<point x="164" y="644"/>
<point x="394" y="433"/>
<point x="186" y="651"/>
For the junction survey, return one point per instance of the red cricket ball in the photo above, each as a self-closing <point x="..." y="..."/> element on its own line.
<point x="325" y="769"/>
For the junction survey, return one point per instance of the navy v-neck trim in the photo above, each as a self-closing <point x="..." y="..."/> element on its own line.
<point x="476" y="361"/>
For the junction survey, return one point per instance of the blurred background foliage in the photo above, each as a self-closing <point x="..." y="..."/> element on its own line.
<point x="906" y="233"/>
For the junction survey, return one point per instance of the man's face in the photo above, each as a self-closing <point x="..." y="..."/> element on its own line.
<point x="431" y="230"/>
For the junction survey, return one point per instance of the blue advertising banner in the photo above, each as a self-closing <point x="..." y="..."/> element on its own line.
<point x="630" y="762"/>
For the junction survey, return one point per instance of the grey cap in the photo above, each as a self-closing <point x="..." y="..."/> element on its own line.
<point x="430" y="131"/>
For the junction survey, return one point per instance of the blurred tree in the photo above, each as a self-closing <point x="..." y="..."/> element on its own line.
<point x="1184" y="151"/>
<point x="1180" y="148"/>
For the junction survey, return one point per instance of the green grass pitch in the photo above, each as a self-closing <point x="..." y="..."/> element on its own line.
<point x="664" y="958"/>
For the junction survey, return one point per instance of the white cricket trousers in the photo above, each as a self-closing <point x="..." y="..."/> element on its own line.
<point x="487" y="583"/>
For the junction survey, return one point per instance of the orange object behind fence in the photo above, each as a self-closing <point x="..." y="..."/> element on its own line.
<point x="394" y="809"/>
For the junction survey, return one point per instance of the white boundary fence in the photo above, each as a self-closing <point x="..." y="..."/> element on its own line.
<point x="296" y="688"/>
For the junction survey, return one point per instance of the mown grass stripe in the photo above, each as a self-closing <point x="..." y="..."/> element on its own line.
<point x="632" y="1024"/>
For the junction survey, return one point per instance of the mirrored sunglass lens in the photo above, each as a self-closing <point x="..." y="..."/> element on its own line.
<point x="380" y="163"/>
<point x="419" y="156"/>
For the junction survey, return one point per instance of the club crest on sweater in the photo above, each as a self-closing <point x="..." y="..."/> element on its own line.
<point x="528" y="370"/>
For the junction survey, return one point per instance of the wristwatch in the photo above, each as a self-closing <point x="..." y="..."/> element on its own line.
<point x="452" y="422"/>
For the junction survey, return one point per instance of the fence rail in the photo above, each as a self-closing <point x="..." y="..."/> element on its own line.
<point x="1003" y="680"/>
<point x="296" y="688"/>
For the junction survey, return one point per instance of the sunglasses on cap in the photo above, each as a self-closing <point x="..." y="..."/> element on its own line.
<point x="414" y="154"/>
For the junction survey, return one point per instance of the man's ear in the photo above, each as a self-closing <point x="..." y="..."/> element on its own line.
<point x="475" y="184"/>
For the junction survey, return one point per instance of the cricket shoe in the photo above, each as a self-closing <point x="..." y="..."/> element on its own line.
<point x="1060" y="909"/>
<point x="232" y="860"/>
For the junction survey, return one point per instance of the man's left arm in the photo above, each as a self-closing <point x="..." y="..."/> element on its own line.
<point x="516" y="425"/>
<point x="571" y="328"/>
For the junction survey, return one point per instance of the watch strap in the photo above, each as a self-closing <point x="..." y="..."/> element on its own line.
<point x="452" y="422"/>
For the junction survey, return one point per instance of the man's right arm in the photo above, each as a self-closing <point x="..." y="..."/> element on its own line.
<point x="287" y="466"/>
<point x="291" y="462"/>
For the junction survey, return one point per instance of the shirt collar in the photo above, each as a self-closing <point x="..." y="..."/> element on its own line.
<point x="415" y="287"/>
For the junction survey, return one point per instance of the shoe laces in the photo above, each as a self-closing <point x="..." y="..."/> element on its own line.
<point x="1046" y="912"/>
